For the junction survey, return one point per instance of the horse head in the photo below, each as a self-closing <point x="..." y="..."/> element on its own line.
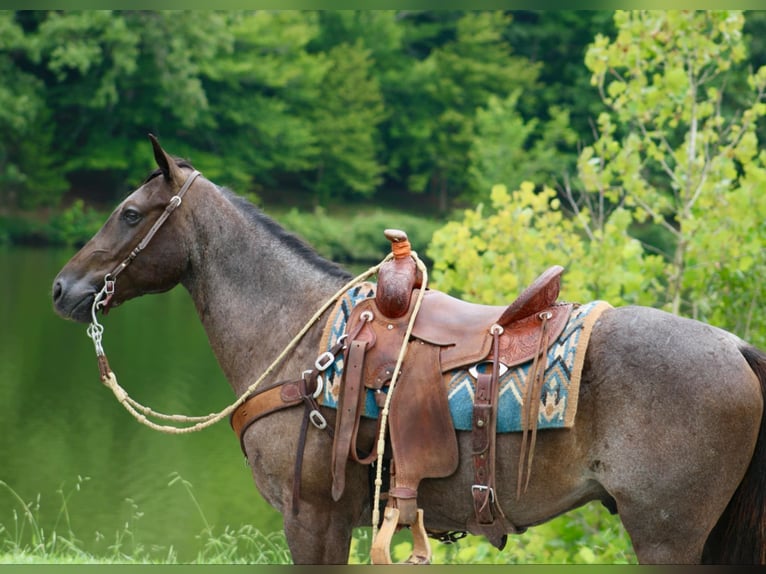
<point x="136" y="250"/>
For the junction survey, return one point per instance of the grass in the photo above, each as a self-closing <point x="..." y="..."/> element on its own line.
<point x="25" y="541"/>
<point x="585" y="536"/>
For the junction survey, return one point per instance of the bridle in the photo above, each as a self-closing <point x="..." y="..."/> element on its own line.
<point x="103" y="298"/>
<point x="107" y="292"/>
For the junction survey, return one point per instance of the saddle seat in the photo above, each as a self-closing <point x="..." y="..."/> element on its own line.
<point x="462" y="328"/>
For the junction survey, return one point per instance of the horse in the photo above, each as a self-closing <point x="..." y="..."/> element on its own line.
<point x="669" y="432"/>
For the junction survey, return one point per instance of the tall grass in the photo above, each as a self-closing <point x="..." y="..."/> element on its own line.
<point x="24" y="540"/>
<point x="585" y="536"/>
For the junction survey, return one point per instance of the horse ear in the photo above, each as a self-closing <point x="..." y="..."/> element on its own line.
<point x="167" y="165"/>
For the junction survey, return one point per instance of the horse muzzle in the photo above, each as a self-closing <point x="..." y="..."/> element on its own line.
<point x="73" y="298"/>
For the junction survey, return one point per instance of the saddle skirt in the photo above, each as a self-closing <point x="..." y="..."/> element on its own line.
<point x="559" y="393"/>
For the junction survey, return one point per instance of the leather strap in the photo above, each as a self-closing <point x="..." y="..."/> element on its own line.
<point x="347" y="423"/>
<point x="111" y="277"/>
<point x="489" y="519"/>
<point x="280" y="396"/>
<point x="531" y="407"/>
<point x="307" y="386"/>
<point x="480" y="439"/>
<point x="174" y="202"/>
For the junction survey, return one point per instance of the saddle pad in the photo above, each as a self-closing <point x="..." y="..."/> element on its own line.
<point x="559" y="394"/>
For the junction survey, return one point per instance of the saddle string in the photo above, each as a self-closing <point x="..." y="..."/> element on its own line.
<point x="390" y="394"/>
<point x="531" y="407"/>
<point x="141" y="412"/>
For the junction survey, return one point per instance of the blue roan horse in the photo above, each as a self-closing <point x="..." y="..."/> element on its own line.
<point x="668" y="432"/>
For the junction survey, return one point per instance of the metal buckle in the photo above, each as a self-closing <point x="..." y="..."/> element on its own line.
<point x="320" y="387"/>
<point x="481" y="487"/>
<point x="320" y="384"/>
<point x="501" y="369"/>
<point x="317" y="419"/>
<point x="324" y="361"/>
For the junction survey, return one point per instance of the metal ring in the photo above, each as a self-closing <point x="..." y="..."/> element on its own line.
<point x="317" y="419"/>
<point x="544" y="315"/>
<point x="501" y="369"/>
<point x="320" y="387"/>
<point x="496" y="329"/>
<point x="482" y="488"/>
<point x="320" y="383"/>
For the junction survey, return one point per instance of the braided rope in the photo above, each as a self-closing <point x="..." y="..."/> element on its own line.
<point x="141" y="412"/>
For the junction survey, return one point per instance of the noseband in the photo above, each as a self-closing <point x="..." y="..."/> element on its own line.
<point x="104" y="297"/>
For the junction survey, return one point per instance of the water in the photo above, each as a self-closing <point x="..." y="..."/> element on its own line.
<point x="63" y="434"/>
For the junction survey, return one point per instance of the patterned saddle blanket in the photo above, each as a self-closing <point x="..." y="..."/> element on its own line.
<point x="558" y="397"/>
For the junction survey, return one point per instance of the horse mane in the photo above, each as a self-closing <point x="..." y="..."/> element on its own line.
<point x="292" y="241"/>
<point x="259" y="218"/>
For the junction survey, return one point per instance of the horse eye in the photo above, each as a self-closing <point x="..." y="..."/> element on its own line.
<point x="131" y="216"/>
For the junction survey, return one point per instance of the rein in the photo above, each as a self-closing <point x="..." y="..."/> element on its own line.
<point x="141" y="412"/>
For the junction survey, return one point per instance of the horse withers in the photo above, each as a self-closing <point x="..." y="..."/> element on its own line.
<point x="668" y="432"/>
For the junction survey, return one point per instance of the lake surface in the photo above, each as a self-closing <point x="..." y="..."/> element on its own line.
<point x="63" y="434"/>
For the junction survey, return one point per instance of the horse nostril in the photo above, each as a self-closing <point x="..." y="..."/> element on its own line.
<point x="58" y="290"/>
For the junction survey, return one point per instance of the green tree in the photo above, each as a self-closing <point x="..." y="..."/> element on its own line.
<point x="670" y="157"/>
<point x="27" y="175"/>
<point x="345" y="121"/>
<point x="261" y="94"/>
<point x="460" y="61"/>
<point x="94" y="83"/>
<point x="84" y="58"/>
<point x="557" y="40"/>
<point x="686" y="163"/>
<point x="492" y="254"/>
<point x="507" y="149"/>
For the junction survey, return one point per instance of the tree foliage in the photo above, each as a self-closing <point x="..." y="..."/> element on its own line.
<point x="683" y="159"/>
<point x="667" y="208"/>
<point x="328" y="104"/>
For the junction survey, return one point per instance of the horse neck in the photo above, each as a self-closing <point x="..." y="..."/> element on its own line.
<point x="254" y="290"/>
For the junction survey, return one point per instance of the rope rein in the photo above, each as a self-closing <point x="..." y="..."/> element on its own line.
<point x="143" y="413"/>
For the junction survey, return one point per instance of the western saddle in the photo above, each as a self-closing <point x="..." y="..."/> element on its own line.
<point x="448" y="334"/>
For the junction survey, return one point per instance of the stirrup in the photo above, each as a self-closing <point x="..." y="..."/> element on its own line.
<point x="380" y="553"/>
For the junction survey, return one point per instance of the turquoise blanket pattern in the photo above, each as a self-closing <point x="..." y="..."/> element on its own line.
<point x="558" y="398"/>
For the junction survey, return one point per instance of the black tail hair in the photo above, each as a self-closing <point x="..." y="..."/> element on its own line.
<point x="739" y="537"/>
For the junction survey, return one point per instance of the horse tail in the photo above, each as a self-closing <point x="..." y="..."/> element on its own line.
<point x="739" y="537"/>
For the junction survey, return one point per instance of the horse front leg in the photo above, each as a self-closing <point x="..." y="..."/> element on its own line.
<point x="319" y="534"/>
<point x="320" y="531"/>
